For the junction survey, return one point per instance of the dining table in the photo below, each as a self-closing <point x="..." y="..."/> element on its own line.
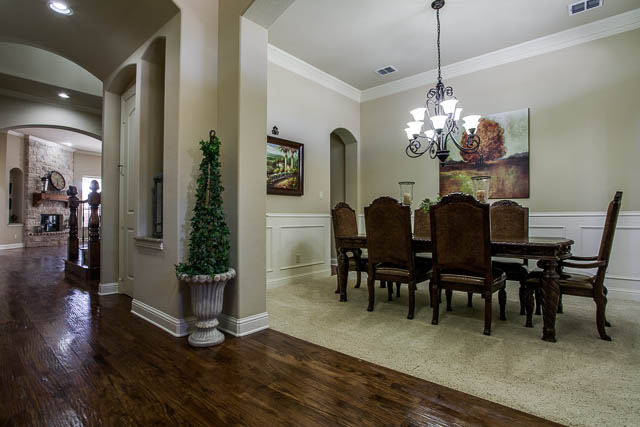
<point x="547" y="251"/>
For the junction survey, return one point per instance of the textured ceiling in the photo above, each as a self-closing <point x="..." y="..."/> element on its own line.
<point x="349" y="39"/>
<point x="99" y="35"/>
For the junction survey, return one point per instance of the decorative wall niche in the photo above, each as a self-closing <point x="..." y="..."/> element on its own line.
<point x="16" y="196"/>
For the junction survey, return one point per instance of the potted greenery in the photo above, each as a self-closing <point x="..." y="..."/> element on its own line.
<point x="207" y="270"/>
<point x="426" y="203"/>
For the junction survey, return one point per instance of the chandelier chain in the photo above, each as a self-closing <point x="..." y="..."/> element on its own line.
<point x="438" y="18"/>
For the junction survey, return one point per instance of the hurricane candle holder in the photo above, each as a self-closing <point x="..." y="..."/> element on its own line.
<point x="406" y="192"/>
<point x="481" y="187"/>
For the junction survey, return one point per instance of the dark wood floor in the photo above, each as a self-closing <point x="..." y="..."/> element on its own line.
<point x="70" y="357"/>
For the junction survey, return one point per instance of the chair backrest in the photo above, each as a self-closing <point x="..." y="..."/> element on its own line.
<point x="389" y="237"/>
<point x="509" y="220"/>
<point x="460" y="236"/>
<point x="421" y="223"/>
<point x="606" y="244"/>
<point x="344" y="220"/>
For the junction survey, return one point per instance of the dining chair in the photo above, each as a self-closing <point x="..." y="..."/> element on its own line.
<point x="390" y="249"/>
<point x="461" y="243"/>
<point x="421" y="223"/>
<point x="510" y="221"/>
<point x="585" y="285"/>
<point x="346" y="225"/>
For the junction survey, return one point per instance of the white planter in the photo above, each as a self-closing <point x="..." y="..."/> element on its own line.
<point x="207" y="296"/>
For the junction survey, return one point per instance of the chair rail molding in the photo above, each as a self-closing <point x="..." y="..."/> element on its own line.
<point x="585" y="229"/>
<point x="298" y="247"/>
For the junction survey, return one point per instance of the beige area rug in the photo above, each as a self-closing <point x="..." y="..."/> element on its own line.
<point x="580" y="380"/>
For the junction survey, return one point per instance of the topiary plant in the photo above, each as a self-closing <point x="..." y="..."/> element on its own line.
<point x="209" y="236"/>
<point x="426" y="203"/>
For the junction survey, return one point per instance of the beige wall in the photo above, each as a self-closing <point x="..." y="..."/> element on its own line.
<point x="584" y="126"/>
<point x="11" y="156"/>
<point x="307" y="112"/>
<point x="85" y="165"/>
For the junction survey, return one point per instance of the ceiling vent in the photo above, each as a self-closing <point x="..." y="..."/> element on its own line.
<point x="386" y="70"/>
<point x="581" y="6"/>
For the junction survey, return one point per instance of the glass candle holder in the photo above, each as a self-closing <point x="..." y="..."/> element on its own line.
<point x="481" y="188"/>
<point x="406" y="192"/>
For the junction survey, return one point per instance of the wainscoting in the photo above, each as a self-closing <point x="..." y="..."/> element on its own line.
<point x="298" y="247"/>
<point x="585" y="229"/>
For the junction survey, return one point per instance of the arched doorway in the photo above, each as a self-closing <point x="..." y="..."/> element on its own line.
<point x="343" y="172"/>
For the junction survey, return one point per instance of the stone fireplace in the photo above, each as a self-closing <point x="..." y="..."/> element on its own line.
<point x="45" y="219"/>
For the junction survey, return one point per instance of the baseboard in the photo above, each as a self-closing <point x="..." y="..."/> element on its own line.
<point x="107" y="289"/>
<point x="244" y="326"/>
<point x="276" y="283"/>
<point x="12" y="246"/>
<point x="176" y="327"/>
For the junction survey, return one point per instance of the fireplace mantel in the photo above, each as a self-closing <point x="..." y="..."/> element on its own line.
<point x="39" y="198"/>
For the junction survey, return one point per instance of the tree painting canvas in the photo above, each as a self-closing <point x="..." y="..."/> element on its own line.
<point x="284" y="167"/>
<point x="503" y="155"/>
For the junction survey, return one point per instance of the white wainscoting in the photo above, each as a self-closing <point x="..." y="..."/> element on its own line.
<point x="298" y="247"/>
<point x="585" y="229"/>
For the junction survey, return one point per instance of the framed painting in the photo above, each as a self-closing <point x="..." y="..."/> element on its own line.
<point x="503" y="155"/>
<point x="285" y="167"/>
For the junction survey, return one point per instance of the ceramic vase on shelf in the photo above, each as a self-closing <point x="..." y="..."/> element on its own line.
<point x="207" y="297"/>
<point x="481" y="188"/>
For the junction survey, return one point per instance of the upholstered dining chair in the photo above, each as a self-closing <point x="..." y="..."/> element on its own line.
<point x="586" y="285"/>
<point x="510" y="220"/>
<point x="345" y="225"/>
<point x="390" y="249"/>
<point x="421" y="223"/>
<point x="461" y="243"/>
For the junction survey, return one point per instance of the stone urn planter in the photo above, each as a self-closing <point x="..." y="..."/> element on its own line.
<point x="207" y="296"/>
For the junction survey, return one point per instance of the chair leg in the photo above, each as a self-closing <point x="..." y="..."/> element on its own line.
<point x="398" y="289"/>
<point x="358" y="278"/>
<point x="487" y="314"/>
<point x="449" y="294"/>
<point x="412" y="299"/>
<point x="539" y="302"/>
<point x="469" y="299"/>
<point x="523" y="299"/>
<point x="383" y="284"/>
<point x="389" y="291"/>
<point x="606" y="291"/>
<point x="529" y="292"/>
<point x="502" y="300"/>
<point x="560" y="309"/>
<point x="372" y="291"/>
<point x="435" y="303"/>
<point x="601" y="306"/>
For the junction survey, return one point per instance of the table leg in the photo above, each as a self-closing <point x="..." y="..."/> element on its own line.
<point x="550" y="295"/>
<point x="343" y="273"/>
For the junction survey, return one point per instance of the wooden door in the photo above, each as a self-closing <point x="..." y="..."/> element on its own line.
<point x="128" y="193"/>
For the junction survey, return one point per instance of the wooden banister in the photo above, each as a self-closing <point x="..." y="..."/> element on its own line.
<point x="94" y="201"/>
<point x="74" y="202"/>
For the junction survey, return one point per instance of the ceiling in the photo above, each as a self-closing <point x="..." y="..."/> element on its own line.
<point x="78" y="141"/>
<point x="99" y="35"/>
<point x="350" y="39"/>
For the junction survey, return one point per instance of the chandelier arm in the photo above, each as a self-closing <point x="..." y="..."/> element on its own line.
<point x="473" y="143"/>
<point x="414" y="149"/>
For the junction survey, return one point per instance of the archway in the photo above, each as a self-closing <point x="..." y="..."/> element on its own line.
<point x="343" y="172"/>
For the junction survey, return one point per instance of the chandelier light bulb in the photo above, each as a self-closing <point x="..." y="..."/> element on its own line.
<point x="449" y="106"/>
<point x="409" y="133"/>
<point x="471" y="122"/>
<point x="418" y="113"/>
<point x="457" y="115"/>
<point x="439" y="121"/>
<point x="430" y="134"/>
<point x="416" y="127"/>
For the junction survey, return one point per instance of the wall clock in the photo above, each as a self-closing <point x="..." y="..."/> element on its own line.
<point x="57" y="180"/>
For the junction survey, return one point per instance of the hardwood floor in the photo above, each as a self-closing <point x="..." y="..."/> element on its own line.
<point x="71" y="357"/>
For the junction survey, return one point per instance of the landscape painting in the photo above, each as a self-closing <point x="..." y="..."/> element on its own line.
<point x="284" y="167"/>
<point x="503" y="155"/>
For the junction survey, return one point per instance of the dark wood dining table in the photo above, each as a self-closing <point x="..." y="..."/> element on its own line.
<point x="548" y="251"/>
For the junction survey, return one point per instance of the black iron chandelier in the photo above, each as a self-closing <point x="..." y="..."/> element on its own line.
<point x="443" y="114"/>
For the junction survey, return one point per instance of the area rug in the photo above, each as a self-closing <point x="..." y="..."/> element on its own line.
<point x="579" y="380"/>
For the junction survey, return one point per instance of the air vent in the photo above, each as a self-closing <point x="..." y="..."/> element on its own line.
<point x="581" y="6"/>
<point x="386" y="70"/>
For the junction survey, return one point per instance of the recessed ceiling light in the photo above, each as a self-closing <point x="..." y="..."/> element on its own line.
<point x="60" y="7"/>
<point x="63" y="95"/>
<point x="68" y="144"/>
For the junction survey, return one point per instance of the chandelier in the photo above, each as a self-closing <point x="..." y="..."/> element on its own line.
<point x="442" y="115"/>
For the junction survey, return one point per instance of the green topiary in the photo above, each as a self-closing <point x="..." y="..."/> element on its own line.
<point x="209" y="237"/>
<point x="426" y="203"/>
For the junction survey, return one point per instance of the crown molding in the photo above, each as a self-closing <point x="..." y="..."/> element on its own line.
<point x="578" y="35"/>
<point x="289" y="62"/>
<point x="89" y="153"/>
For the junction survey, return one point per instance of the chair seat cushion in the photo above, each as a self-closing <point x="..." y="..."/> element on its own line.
<point x="568" y="282"/>
<point x="514" y="270"/>
<point x="461" y="276"/>
<point x="423" y="265"/>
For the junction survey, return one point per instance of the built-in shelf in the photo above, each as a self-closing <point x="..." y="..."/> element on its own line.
<point x="39" y="198"/>
<point x="149" y="243"/>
